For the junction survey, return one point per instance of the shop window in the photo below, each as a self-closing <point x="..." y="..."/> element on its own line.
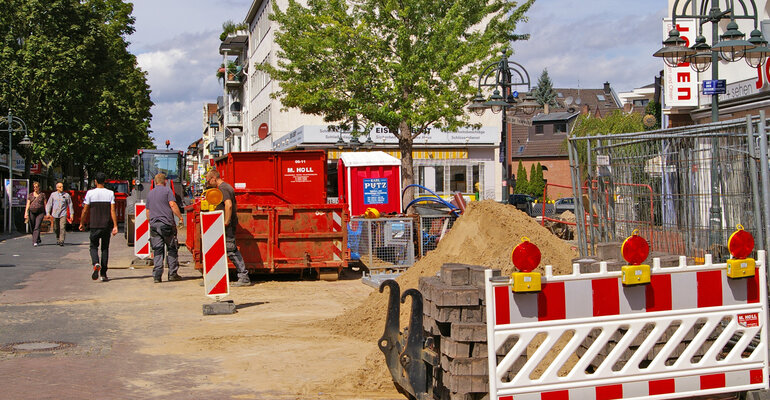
<point x="476" y="170"/>
<point x="457" y="181"/>
<point x="439" y="176"/>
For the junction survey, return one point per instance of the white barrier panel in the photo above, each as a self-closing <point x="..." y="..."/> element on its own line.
<point x="215" y="278"/>
<point x="690" y="331"/>
<point x="141" y="231"/>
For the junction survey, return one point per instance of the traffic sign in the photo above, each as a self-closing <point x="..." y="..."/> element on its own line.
<point x="141" y="232"/>
<point x="215" y="276"/>
<point x="714" y="86"/>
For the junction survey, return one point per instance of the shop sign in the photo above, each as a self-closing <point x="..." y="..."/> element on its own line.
<point x="681" y="82"/>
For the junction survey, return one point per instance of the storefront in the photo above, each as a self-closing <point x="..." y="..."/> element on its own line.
<point x="444" y="162"/>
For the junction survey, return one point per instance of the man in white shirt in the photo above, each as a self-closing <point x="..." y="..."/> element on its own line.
<point x="100" y="206"/>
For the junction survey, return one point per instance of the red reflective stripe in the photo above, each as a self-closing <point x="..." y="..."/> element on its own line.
<point x="506" y="398"/>
<point x="756" y="376"/>
<point x="215" y="253"/>
<point x="139" y="208"/>
<point x="551" y="303"/>
<point x="557" y="395"/>
<point x="609" y="392"/>
<point x="752" y="287"/>
<point x="712" y="381"/>
<point x="605" y="296"/>
<point x="145" y="249"/>
<point x="709" y="288"/>
<point x="207" y="220"/>
<point x="658" y="293"/>
<point x="220" y="287"/>
<point x="142" y="229"/>
<point x="662" y="386"/>
<point x="502" y="305"/>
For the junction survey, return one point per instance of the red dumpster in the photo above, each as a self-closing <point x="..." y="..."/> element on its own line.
<point x="279" y="229"/>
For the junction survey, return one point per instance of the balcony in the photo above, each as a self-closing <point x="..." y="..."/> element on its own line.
<point x="234" y="119"/>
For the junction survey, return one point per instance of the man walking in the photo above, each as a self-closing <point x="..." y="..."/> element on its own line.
<point x="161" y="209"/>
<point x="100" y="206"/>
<point x="228" y="204"/>
<point x="59" y="207"/>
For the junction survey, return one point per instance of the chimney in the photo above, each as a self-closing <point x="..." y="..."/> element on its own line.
<point x="546" y="108"/>
<point x="607" y="87"/>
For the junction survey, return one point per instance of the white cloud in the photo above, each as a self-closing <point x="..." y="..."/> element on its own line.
<point x="180" y="122"/>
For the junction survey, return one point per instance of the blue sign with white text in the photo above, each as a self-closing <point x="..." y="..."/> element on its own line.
<point x="714" y="86"/>
<point x="375" y="191"/>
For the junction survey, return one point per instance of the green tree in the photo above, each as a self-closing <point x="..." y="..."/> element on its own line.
<point x="536" y="181"/>
<point x="409" y="66"/>
<point x="522" y="185"/>
<point x="543" y="92"/>
<point x="614" y="122"/>
<point x="65" y="69"/>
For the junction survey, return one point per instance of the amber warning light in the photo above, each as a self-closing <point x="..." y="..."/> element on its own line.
<point x="525" y="257"/>
<point x="740" y="244"/>
<point x="635" y="250"/>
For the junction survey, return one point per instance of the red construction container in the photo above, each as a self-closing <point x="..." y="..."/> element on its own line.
<point x="279" y="229"/>
<point x="280" y="177"/>
<point x="370" y="179"/>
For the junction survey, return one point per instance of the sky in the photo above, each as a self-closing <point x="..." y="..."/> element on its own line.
<point x="582" y="43"/>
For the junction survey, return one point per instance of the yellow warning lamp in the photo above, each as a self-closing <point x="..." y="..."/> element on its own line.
<point x="740" y="244"/>
<point x="525" y="257"/>
<point x="635" y="250"/>
<point x="211" y="199"/>
<point x="372" y="213"/>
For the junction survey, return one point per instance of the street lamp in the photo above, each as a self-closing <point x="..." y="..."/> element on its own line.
<point x="21" y="127"/>
<point x="505" y="75"/>
<point x="730" y="47"/>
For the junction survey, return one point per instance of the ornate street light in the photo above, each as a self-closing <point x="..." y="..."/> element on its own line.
<point x="730" y="46"/>
<point x="503" y="77"/>
<point x="21" y="127"/>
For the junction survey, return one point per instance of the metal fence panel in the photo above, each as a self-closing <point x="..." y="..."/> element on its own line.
<point x="660" y="182"/>
<point x="432" y="229"/>
<point x="382" y="243"/>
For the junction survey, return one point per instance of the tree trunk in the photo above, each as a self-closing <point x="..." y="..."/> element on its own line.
<point x="405" y="143"/>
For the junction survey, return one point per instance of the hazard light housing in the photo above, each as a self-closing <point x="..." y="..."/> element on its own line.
<point x="635" y="250"/>
<point x="525" y="257"/>
<point x="740" y="244"/>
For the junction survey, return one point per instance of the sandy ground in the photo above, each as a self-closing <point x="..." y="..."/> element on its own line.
<point x="273" y="347"/>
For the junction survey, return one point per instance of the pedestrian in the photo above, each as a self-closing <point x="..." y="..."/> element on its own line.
<point x="35" y="211"/>
<point x="59" y="207"/>
<point x="161" y="209"/>
<point x="99" y="205"/>
<point x="229" y="206"/>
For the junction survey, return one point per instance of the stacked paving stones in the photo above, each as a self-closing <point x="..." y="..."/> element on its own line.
<point x="454" y="315"/>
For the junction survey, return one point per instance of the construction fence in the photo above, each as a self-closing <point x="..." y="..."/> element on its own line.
<point x="684" y="189"/>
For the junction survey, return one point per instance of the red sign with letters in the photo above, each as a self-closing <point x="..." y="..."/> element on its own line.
<point x="748" y="320"/>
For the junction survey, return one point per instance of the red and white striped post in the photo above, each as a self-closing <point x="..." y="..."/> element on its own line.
<point x="215" y="280"/>
<point x="141" y="231"/>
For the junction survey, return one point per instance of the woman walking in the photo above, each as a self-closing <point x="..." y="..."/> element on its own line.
<point x="35" y="211"/>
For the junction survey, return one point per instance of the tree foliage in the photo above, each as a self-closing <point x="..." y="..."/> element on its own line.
<point x="536" y="181"/>
<point x="615" y="122"/>
<point x="522" y="184"/>
<point x="66" y="71"/>
<point x="543" y="92"/>
<point x="406" y="65"/>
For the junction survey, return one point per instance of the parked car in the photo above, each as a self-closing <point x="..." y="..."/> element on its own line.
<point x="522" y="201"/>
<point x="565" y="204"/>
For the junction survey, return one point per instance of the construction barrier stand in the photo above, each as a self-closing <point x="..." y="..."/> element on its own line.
<point x="691" y="331"/>
<point x="215" y="278"/>
<point x="141" y="231"/>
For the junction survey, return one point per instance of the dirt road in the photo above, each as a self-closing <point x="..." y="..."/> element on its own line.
<point x="131" y="338"/>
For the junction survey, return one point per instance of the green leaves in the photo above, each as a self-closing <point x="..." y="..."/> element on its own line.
<point x="543" y="92"/>
<point x="72" y="80"/>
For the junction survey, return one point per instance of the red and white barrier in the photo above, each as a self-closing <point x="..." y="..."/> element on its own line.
<point x="141" y="231"/>
<point x="694" y="315"/>
<point x="215" y="278"/>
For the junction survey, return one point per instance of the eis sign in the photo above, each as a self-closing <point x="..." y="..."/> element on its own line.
<point x="681" y="86"/>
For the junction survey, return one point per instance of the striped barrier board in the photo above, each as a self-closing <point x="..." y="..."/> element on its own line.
<point x="691" y="331"/>
<point x="215" y="276"/>
<point x="141" y="231"/>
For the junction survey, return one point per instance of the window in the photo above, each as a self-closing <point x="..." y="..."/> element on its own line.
<point x="560" y="128"/>
<point x="521" y="149"/>
<point x="538" y="129"/>
<point x="641" y="102"/>
<point x="560" y="95"/>
<point x="475" y="170"/>
<point x="600" y="97"/>
<point x="457" y="179"/>
<point x="439" y="176"/>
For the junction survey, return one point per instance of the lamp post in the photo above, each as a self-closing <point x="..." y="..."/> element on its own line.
<point x="505" y="75"/>
<point x="730" y="47"/>
<point x="22" y="127"/>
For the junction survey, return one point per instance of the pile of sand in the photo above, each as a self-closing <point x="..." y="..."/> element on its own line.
<point x="484" y="235"/>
